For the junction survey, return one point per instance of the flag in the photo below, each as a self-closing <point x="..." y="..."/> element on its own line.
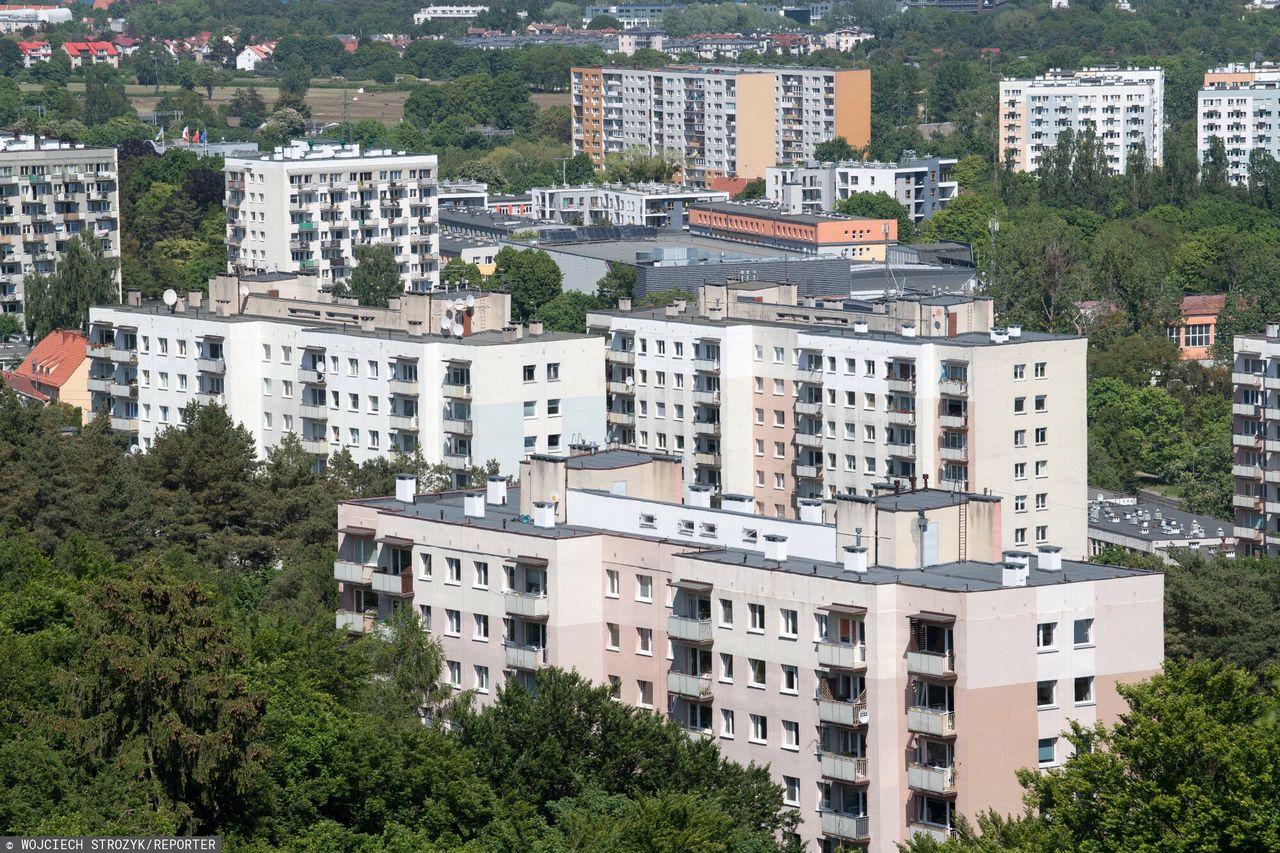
<point x="186" y="134"/>
<point x="204" y="136"/>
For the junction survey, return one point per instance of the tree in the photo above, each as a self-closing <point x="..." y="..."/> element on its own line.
<point x="459" y="273"/>
<point x="618" y="282"/>
<point x="104" y="97"/>
<point x="834" y="151"/>
<point x="209" y="75"/>
<point x="376" y="278"/>
<point x="295" y="76"/>
<point x="604" y="22"/>
<point x="567" y="312"/>
<point x="754" y="189"/>
<point x="552" y="124"/>
<point x="10" y="325"/>
<point x="281" y="127"/>
<point x="879" y="206"/>
<point x="82" y="277"/>
<point x="531" y="277"/>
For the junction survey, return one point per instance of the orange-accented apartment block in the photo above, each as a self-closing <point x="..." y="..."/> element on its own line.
<point x="845" y="236"/>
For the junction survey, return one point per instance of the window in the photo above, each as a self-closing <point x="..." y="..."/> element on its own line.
<point x="1042" y="468"/>
<point x="424" y="567"/>
<point x="1040" y="366"/>
<point x="454" y="565"/>
<point x="1042" y="501"/>
<point x="530" y="408"/>
<point x="482" y="576"/>
<point x="553" y="406"/>
<point x="1042" y="435"/>
<point x="1020" y="536"/>
<point x="790" y="622"/>
<point x="613" y="635"/>
<point x="645" y="691"/>
<point x="530" y="373"/>
<point x="1019" y="503"/>
<point x="790" y="735"/>
<point x="455" y="673"/>
<point x="759" y="729"/>
<point x="1019" y="470"/>
<point x="779" y="355"/>
<point x="760" y="447"/>
<point x="726" y="613"/>
<point x="779" y="450"/>
<point x="726" y="723"/>
<point x="482" y="627"/>
<point x="1019" y="405"/>
<point x="553" y="371"/>
<point x="1048" y="748"/>
<point x="1019" y="438"/>
<point x="757" y="672"/>
<point x="760" y="416"/>
<point x="482" y="679"/>
<point x="644" y="588"/>
<point x="611" y="576"/>
<point x="1019" y="371"/>
<point x="779" y="481"/>
<point x="615" y="687"/>
<point x="454" y="619"/>
<point x="1042" y="533"/>
<point x="1044" y="635"/>
<point x="353" y="367"/>
<point x="790" y="679"/>
<point x="1083" y="632"/>
<point x="1044" y="693"/>
<point x="779" y="418"/>
<point x="791" y="792"/>
<point x="644" y="641"/>
<point x="779" y="388"/>
<point x="1084" y="689"/>
<point x="1041" y="402"/>
<point x="756" y="612"/>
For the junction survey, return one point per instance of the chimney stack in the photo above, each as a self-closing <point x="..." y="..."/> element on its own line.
<point x="473" y="505"/>
<point x="1013" y="574"/>
<point x="193" y="299"/>
<point x="775" y="547"/>
<point x="855" y="559"/>
<point x="133" y="297"/>
<point x="698" y="495"/>
<point x="535" y="327"/>
<point x="544" y="514"/>
<point x="624" y="303"/>
<point x="738" y="503"/>
<point x="496" y="490"/>
<point x="1050" y="559"/>
<point x="811" y="511"/>
<point x="406" y="488"/>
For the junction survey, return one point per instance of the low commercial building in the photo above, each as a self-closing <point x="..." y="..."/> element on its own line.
<point x="652" y="205"/>
<point x="55" y="370"/>
<point x="439" y="371"/>
<point x="447" y="13"/>
<point x="1141" y="526"/>
<point x="18" y="18"/>
<point x="922" y="185"/>
<point x="888" y="662"/>
<point x="471" y="250"/>
<point x="853" y="237"/>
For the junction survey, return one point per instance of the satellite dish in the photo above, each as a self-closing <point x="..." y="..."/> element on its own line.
<point x="445" y="323"/>
<point x="459" y="305"/>
<point x="471" y="300"/>
<point x="631" y="380"/>
<point x="319" y="365"/>
<point x="244" y="290"/>
<point x="170" y="297"/>
<point x="457" y="330"/>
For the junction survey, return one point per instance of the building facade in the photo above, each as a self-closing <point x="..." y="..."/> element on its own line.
<point x="1255" y="377"/>
<point x="1124" y="106"/>
<point x="51" y="191"/>
<point x="1239" y="105"/>
<point x="441" y="372"/>
<point x="56" y="370"/>
<point x="306" y="209"/>
<point x="891" y="681"/>
<point x="784" y="402"/>
<point x="447" y="13"/>
<point x="653" y="205"/>
<point x="718" y="120"/>
<point x="853" y="237"/>
<point x="922" y="185"/>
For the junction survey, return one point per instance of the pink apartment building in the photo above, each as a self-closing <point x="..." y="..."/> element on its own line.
<point x="882" y="654"/>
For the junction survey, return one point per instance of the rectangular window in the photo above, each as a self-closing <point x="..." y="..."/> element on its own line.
<point x="553" y="371"/>
<point x="1084" y="689"/>
<point x="1042" y="435"/>
<point x="726" y="723"/>
<point x="1040" y="368"/>
<point x="454" y="565"/>
<point x="1044" y="635"/>
<point x="726" y="667"/>
<point x="455" y="673"/>
<point x="644" y="641"/>
<point x="482" y="627"/>
<point x="612" y="629"/>
<point x="1041" y="403"/>
<point x="1020" y="536"/>
<point x="790" y="679"/>
<point x="1019" y="438"/>
<point x="1048" y="748"/>
<point x="482" y="679"/>
<point x="790" y="791"/>
<point x="644" y="689"/>
<point x="611" y="576"/>
<point x="454" y="619"/>
<point x="1019" y="503"/>
<point x="759" y="729"/>
<point x="726" y="613"/>
<point x="1019" y="405"/>
<point x="1042" y="501"/>
<point x="757" y="672"/>
<point x="1044" y="693"/>
<point x="790" y="735"/>
<point x="790" y="622"/>
<point x="1019" y="470"/>
<point x="482" y="576"/>
<point x="1019" y="371"/>
<point x="756" y="612"/>
<point x="644" y="588"/>
<point x="1083" y="632"/>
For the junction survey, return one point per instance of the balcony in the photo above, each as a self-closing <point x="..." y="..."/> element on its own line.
<point x="101" y="384"/>
<point x="455" y="459"/>
<point x="1249" y="472"/>
<point x="901" y="386"/>
<point x="393" y="584"/>
<point x="852" y="827"/>
<point x="931" y="721"/>
<point x="318" y="446"/>
<point x="525" y="657"/>
<point x="808" y="472"/>
<point x="315" y="413"/>
<point x="696" y="687"/>
<point x="1271" y="475"/>
<point x="124" y="424"/>
<point x="620" y="356"/>
<point x="808" y="439"/>
<point x="624" y="419"/>
<point x="936" y="664"/>
<point x="209" y="398"/>
<point x="706" y="365"/>
<point x="1253" y="502"/>
<point x="849" y="714"/>
<point x="403" y="423"/>
<point x="348" y="571"/>
<point x="456" y="391"/>
<point x="842" y="655"/>
<point x="310" y="376"/>
<point x="211" y="365"/>
<point x="953" y="421"/>
<point x="812" y="375"/>
<point x="98" y="350"/>
<point x="457" y="426"/>
<point x="355" y="623"/>
<point x="1253" y="534"/>
<point x="954" y="454"/>
<point x="902" y="451"/>
<point x="1248" y="380"/>
<point x="808" y="407"/>
<point x="705" y="427"/>
<point x="1246" y="440"/>
<point x="689" y="630"/>
<point x="124" y="356"/>
<point x="527" y="605"/>
<point x="953" y="387"/>
<point x="846" y="768"/>
<point x="707" y="398"/>
<point x="711" y="460"/>
<point x="1248" y="410"/>
<point x="937" y="832"/>
<point x="901" y="417"/>
<point x="935" y="780"/>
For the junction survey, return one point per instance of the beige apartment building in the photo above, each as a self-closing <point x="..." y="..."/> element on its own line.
<point x="720" y="121"/>
<point x="306" y="208"/>
<point x="51" y="191"/>
<point x="883" y="655"/>
<point x="781" y="401"/>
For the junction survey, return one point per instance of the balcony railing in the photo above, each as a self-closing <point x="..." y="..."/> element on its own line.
<point x="901" y="417"/>
<point x="318" y="446"/>
<point x="841" y="713"/>
<point x="846" y="768"/>
<point x="101" y="384"/>
<point x="697" y="687"/>
<point x="901" y="386"/>
<point x="405" y="387"/>
<point x="689" y="630"/>
<point x="808" y="439"/>
<point x="706" y="365"/>
<point x="936" y="831"/>
<point x="393" y="584"/>
<point x="902" y="451"/>
<point x="126" y="390"/>
<point x="620" y="356"/>
<point x="211" y="365"/>
<point x="852" y="827"/>
<point x="348" y="571"/>
<point x="1249" y="380"/>
<point x="808" y="407"/>
<point x="529" y="605"/>
<point x="842" y="655"/>
<point x="705" y="427"/>
<point x="124" y="424"/>
<point x="954" y="454"/>
<point x="621" y="418"/>
<point x="310" y="376"/>
<point x="937" y="664"/>
<point x="953" y="421"/>
<point x="707" y="398"/>
<point x="124" y="356"/>
<point x="1249" y="472"/>
<point x="456" y="391"/>
<point x="525" y="657"/>
<point x="404" y="423"/>
<point x="709" y="459"/>
<point x="315" y="413"/>
<point x="936" y="780"/>
<point x="354" y="622"/>
<point x="1249" y="410"/>
<point x="931" y="721"/>
<point x="808" y="472"/>
<point x="98" y="350"/>
<point x="953" y="387"/>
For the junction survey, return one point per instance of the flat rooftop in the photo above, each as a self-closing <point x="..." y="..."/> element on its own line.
<point x="713" y="251"/>
<point x="741" y="209"/>
<point x="1120" y="514"/>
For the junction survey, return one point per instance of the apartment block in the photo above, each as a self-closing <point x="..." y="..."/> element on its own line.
<point x="784" y="400"/>
<point x="441" y="372"/>
<point x="651" y="205"/>
<point x="718" y="121"/>
<point x="922" y="185"/>
<point x="307" y="208"/>
<point x="854" y="237"/>
<point x="1239" y="104"/>
<point x="1125" y="107"/>
<point x="888" y="662"/>
<point x="1255" y="440"/>
<point x="51" y="191"/>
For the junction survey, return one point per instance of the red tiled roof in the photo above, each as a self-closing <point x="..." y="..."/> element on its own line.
<point x="53" y="360"/>
<point x="32" y="46"/>
<point x="1210" y="304"/>
<point x="75" y="48"/>
<point x="24" y="386"/>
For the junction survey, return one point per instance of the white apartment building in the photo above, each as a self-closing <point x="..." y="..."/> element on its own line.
<point x="447" y="13"/>
<point x="1240" y="105"/>
<point x="782" y="402"/>
<point x="883" y="656"/>
<point x="718" y="120"/>
<point x="306" y="208"/>
<point x="922" y="185"/>
<point x="51" y="191"/>
<point x="438" y="371"/>
<point x="1256" y="442"/>
<point x="1125" y="106"/>
<point x="653" y="205"/>
<point x="630" y="15"/>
